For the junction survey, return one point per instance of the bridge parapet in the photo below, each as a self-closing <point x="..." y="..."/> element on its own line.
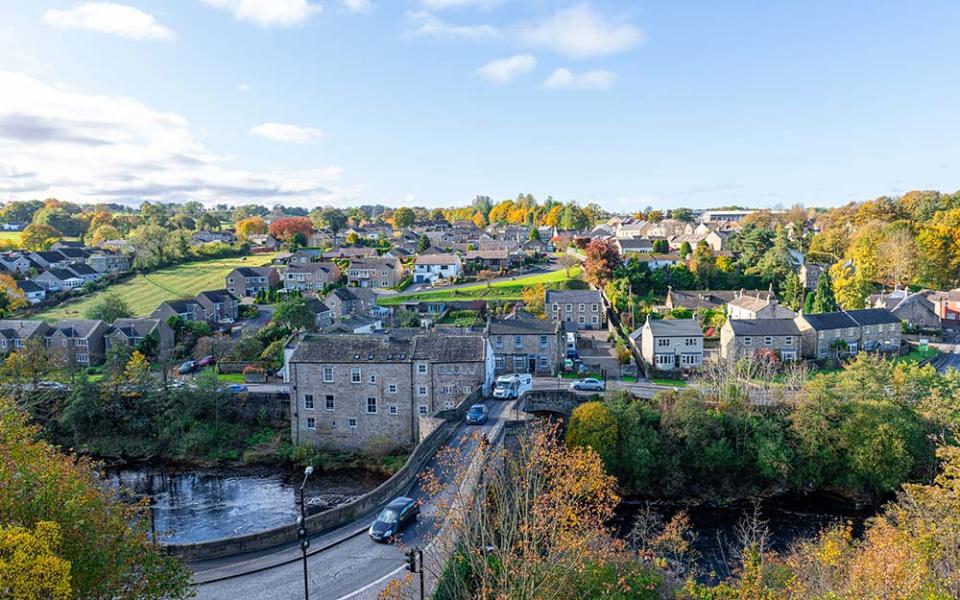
<point x="561" y="402"/>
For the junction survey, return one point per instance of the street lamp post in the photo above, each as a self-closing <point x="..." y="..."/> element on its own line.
<point x="302" y="531"/>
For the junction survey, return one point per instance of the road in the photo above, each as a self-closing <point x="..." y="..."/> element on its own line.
<point x="347" y="563"/>
<point x="950" y="359"/>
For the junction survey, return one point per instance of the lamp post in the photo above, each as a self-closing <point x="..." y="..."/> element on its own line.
<point x="302" y="531"/>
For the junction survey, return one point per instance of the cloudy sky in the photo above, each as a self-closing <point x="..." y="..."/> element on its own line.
<point x="627" y="103"/>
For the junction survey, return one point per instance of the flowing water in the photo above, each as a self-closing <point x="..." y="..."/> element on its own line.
<point x="205" y="504"/>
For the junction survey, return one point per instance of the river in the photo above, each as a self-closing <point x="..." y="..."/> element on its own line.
<point x="197" y="505"/>
<point x="715" y="530"/>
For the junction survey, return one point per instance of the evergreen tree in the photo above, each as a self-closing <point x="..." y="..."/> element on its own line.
<point x="792" y="291"/>
<point x="685" y="250"/>
<point x="423" y="244"/>
<point x="823" y="298"/>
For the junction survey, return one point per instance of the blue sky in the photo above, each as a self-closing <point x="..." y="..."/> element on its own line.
<point x="431" y="102"/>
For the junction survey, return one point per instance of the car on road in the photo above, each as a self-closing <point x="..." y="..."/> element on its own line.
<point x="236" y="388"/>
<point x="477" y="414"/>
<point x="589" y="384"/>
<point x="176" y="384"/>
<point x="188" y="367"/>
<point x="206" y="361"/>
<point x="53" y="385"/>
<point x="393" y="518"/>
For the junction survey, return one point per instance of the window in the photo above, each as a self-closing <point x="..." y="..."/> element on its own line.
<point x="392" y="388"/>
<point x="355" y="375"/>
<point x="544" y="362"/>
<point x="595" y="319"/>
<point x="519" y="363"/>
<point x="556" y="307"/>
<point x="373" y="378"/>
<point x="422" y="409"/>
<point x="581" y="320"/>
<point x="767" y="341"/>
<point x="83" y="358"/>
<point x="352" y="423"/>
<point x="748" y="341"/>
<point x="788" y="341"/>
<point x="82" y="343"/>
<point x="421" y="369"/>
<point x="308" y="402"/>
<point x="690" y="341"/>
<point x="518" y="341"/>
<point x="498" y="362"/>
<point x="569" y="307"/>
<point x="467" y="389"/>
<point x="867" y="330"/>
<point x="18" y="343"/>
<point x="543" y="341"/>
<point x="328" y="402"/>
<point x="596" y="308"/>
<point x="499" y="341"/>
<point x="371" y="406"/>
<point x="445" y="390"/>
<point x="580" y="308"/>
<point x="663" y="342"/>
<point x="328" y="374"/>
<point x="311" y="423"/>
<point x="393" y="409"/>
<point x="422" y="390"/>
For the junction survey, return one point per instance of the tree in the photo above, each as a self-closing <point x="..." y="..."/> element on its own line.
<point x="534" y="234"/>
<point x="403" y="217"/>
<point x="11" y="296"/>
<point x="284" y="229"/>
<point x="850" y="285"/>
<point x="479" y="220"/>
<point x="685" y="249"/>
<point x="776" y="262"/>
<point x="30" y="568"/>
<point x="295" y="314"/>
<point x="109" y="308"/>
<point x="552" y="216"/>
<point x="791" y="294"/>
<point x="601" y="260"/>
<point x="352" y="239"/>
<point x="573" y="218"/>
<point x="104" y="541"/>
<point x="592" y="426"/>
<point x="423" y="243"/>
<point x="660" y="246"/>
<point x="104" y="233"/>
<point x="38" y="237"/>
<point x="251" y="226"/>
<point x="155" y="246"/>
<point x="704" y="264"/>
<point x="208" y="221"/>
<point x="568" y="261"/>
<point x="822" y="300"/>
<point x="533" y="298"/>
<point x="182" y="221"/>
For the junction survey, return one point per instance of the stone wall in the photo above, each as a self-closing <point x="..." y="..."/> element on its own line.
<point x="340" y="515"/>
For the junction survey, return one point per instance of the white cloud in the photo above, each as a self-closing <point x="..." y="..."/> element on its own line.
<point x="94" y="148"/>
<point x="505" y="70"/>
<point x="579" y="32"/>
<point x="270" y="13"/>
<point x="243" y="87"/>
<point x="445" y="4"/>
<point x="284" y="132"/>
<point x="357" y="6"/>
<point x="107" y="17"/>
<point x="425" y="24"/>
<point x="564" y="79"/>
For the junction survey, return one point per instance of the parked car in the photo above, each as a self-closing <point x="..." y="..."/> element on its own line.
<point x="589" y="384"/>
<point x="176" y="384"/>
<point x="235" y="388"/>
<point x="393" y="518"/>
<point x="53" y="385"/>
<point x="206" y="361"/>
<point x="188" y="367"/>
<point x="477" y="415"/>
<point x="573" y="354"/>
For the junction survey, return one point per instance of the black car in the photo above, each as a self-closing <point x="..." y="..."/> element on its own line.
<point x="393" y="518"/>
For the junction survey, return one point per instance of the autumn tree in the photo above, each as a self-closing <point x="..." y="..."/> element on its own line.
<point x="479" y="220"/>
<point x="601" y="260"/>
<point x="284" y="229"/>
<point x="592" y="426"/>
<point x="38" y="237"/>
<point x="533" y="298"/>
<point x="104" y="233"/>
<point x="568" y="262"/>
<point x="251" y="226"/>
<point x="552" y="216"/>
<point x="403" y="217"/>
<point x="11" y="296"/>
<point x="30" y="567"/>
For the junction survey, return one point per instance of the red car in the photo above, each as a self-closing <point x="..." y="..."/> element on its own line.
<point x="206" y="361"/>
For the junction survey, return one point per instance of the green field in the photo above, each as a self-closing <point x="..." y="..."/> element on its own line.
<point x="144" y="293"/>
<point x="10" y="236"/>
<point x="503" y="290"/>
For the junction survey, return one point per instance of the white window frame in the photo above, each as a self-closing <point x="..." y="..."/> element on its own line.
<point x="422" y="390"/>
<point x="376" y="408"/>
<point x="393" y="409"/>
<point x="329" y="403"/>
<point x="308" y="402"/>
<point x="421" y="369"/>
<point x="356" y="375"/>
<point x="392" y="388"/>
<point x="352" y="423"/>
<point x="328" y="374"/>
<point x="422" y="410"/>
<point x="311" y="423"/>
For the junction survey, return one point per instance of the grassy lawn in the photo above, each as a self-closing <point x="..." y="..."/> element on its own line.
<point x="510" y="289"/>
<point x="144" y="293"/>
<point x="670" y="382"/>
<point x="460" y="318"/>
<point x="917" y="355"/>
<point x="10" y="236"/>
<point x="231" y="377"/>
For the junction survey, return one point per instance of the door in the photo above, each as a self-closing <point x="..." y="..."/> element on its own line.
<point x="532" y="361"/>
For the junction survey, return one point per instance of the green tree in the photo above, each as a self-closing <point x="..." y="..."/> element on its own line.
<point x="776" y="262"/>
<point x="423" y="243"/>
<point x="403" y="217"/>
<point x="685" y="249"/>
<point x="593" y="425"/>
<point x="791" y="293"/>
<point x="822" y="300"/>
<point x="38" y="237"/>
<point x="109" y="308"/>
<point x="295" y="314"/>
<point x="573" y="218"/>
<point x="534" y="234"/>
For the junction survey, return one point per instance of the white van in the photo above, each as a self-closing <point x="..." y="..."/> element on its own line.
<point x="508" y="387"/>
<point x="571" y="341"/>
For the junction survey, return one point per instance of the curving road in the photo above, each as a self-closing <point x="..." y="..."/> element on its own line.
<point x="345" y="563"/>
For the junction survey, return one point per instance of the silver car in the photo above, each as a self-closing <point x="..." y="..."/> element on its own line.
<point x="587" y="385"/>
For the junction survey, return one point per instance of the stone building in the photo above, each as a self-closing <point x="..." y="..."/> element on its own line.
<point x="351" y="391"/>
<point x="763" y="306"/>
<point x="671" y="344"/>
<point x="582" y="309"/>
<point x="77" y="342"/>
<point x="375" y="272"/>
<point x="525" y="345"/>
<point x="310" y="276"/>
<point x="742" y="337"/>
<point x="248" y="281"/>
<point x="845" y="333"/>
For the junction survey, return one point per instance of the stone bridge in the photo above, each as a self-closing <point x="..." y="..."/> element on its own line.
<point x="559" y="402"/>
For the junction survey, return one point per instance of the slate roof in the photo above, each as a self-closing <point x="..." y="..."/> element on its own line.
<point x="449" y="348"/>
<point x="675" y="328"/>
<point x="77" y="328"/>
<point x="23" y="328"/>
<point x="709" y="298"/>
<point x="831" y="320"/>
<point x="216" y="296"/>
<point x="521" y="327"/>
<point x="28" y="286"/>
<point x="81" y="269"/>
<point x="761" y="327"/>
<point x="253" y="271"/>
<point x="873" y="316"/>
<point x="134" y="327"/>
<point x="182" y="306"/>
<point x="61" y="274"/>
<point x="437" y="259"/>
<point x="574" y="296"/>
<point x="387" y="349"/>
<point x="317" y="306"/>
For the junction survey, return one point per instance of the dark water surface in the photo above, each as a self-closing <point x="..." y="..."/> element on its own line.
<point x="206" y="504"/>
<point x="788" y="519"/>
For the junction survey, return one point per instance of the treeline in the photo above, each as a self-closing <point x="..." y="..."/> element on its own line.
<point x="861" y="433"/>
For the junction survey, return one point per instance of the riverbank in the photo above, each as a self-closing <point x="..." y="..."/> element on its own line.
<point x="716" y="532"/>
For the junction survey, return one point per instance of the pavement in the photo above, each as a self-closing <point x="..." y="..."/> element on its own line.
<point x="344" y="563"/>
<point x="950" y="357"/>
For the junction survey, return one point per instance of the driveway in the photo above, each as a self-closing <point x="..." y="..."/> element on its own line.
<point x="597" y="353"/>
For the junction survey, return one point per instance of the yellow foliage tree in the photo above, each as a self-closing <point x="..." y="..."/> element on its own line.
<point x="29" y="566"/>
<point x="103" y="233"/>
<point x="15" y="296"/>
<point x="533" y="299"/>
<point x="251" y="226"/>
<point x="479" y="220"/>
<point x="552" y="217"/>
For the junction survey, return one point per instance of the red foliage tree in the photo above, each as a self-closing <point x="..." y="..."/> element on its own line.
<point x="286" y="228"/>
<point x="602" y="259"/>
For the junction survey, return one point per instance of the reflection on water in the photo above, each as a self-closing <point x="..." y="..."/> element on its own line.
<point x="200" y="504"/>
